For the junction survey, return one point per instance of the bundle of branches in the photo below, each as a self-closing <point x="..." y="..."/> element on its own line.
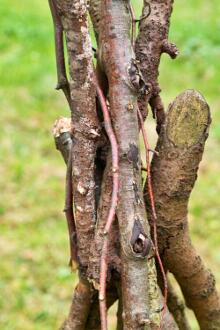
<point x="125" y="236"/>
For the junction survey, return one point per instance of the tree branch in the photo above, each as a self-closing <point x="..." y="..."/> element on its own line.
<point x="85" y="123"/>
<point x="180" y="147"/>
<point x="151" y="42"/>
<point x="62" y="81"/>
<point x="117" y="62"/>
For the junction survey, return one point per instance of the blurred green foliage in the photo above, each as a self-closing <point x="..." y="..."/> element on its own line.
<point x="35" y="282"/>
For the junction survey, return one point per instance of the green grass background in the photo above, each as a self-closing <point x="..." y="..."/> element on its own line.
<point x="35" y="282"/>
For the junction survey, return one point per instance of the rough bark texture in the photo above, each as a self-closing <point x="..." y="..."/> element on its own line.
<point x="116" y="59"/>
<point x="174" y="173"/>
<point x="151" y="42"/>
<point x="84" y="120"/>
<point x="84" y="310"/>
<point x="63" y="141"/>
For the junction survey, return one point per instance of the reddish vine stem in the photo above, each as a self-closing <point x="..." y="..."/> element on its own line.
<point x="152" y="202"/>
<point x="114" y="200"/>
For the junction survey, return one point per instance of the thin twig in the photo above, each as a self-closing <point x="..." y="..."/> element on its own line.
<point x="133" y="24"/>
<point x="144" y="16"/>
<point x="151" y="195"/>
<point x="134" y="20"/>
<point x="62" y="81"/>
<point x="70" y="215"/>
<point x="113" y="205"/>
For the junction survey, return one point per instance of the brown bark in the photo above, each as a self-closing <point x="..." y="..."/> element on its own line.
<point x="174" y="172"/>
<point x="84" y="292"/>
<point x="84" y="120"/>
<point x="151" y="42"/>
<point x="117" y="61"/>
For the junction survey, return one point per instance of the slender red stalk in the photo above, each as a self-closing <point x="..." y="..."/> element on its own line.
<point x="114" y="200"/>
<point x="151" y="196"/>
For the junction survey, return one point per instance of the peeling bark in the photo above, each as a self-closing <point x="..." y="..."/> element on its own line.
<point x="151" y="42"/>
<point x="174" y="172"/>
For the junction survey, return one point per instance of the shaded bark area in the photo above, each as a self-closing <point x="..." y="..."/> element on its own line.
<point x="113" y="240"/>
<point x="93" y="321"/>
<point x="174" y="172"/>
<point x="151" y="42"/>
<point x="117" y="54"/>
